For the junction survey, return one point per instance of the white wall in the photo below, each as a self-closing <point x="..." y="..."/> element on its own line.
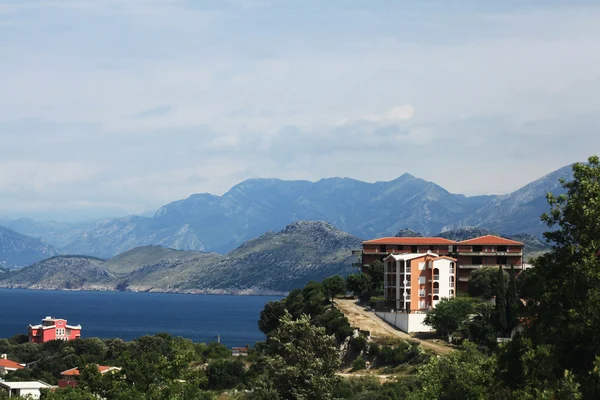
<point x="443" y="266"/>
<point x="406" y="322"/>
<point x="34" y="393"/>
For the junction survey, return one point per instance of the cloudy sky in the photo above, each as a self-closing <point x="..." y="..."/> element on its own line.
<point x="114" y="107"/>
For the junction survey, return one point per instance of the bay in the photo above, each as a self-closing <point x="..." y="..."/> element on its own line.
<point x="128" y="315"/>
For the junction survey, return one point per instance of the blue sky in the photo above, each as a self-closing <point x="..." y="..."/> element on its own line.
<point x="115" y="107"/>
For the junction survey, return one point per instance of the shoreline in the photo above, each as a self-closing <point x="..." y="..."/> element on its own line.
<point x="214" y="292"/>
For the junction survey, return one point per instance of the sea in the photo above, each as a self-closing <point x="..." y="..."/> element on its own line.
<point x="128" y="315"/>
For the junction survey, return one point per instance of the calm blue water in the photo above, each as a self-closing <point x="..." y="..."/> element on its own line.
<point x="128" y="315"/>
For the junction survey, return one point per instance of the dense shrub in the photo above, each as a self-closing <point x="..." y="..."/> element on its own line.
<point x="359" y="364"/>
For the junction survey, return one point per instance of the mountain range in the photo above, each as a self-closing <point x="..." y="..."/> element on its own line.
<point x="219" y="224"/>
<point x="274" y="262"/>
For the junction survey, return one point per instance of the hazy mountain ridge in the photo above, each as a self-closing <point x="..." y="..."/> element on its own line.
<point x="18" y="250"/>
<point x="271" y="263"/>
<point x="205" y="222"/>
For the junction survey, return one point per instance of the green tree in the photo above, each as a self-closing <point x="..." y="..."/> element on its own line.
<point x="334" y="286"/>
<point x="449" y="315"/>
<point x="269" y="316"/>
<point x="301" y="360"/>
<point x="375" y="272"/>
<point x="467" y="374"/>
<point x="501" y="300"/>
<point x="482" y="327"/>
<point x="358" y="283"/>
<point x="484" y="281"/>
<point x="567" y="313"/>
<point x="512" y="301"/>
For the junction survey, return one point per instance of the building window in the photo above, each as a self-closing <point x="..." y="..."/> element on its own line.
<point x="400" y="247"/>
<point x="421" y="292"/>
<point x="414" y="249"/>
<point x="451" y="268"/>
<point x="421" y="266"/>
<point x="477" y="249"/>
<point x="450" y="248"/>
<point x="502" y="260"/>
<point x="431" y="248"/>
<point x="383" y="248"/>
<point x="502" y="248"/>
<point x="421" y="280"/>
<point x="476" y="260"/>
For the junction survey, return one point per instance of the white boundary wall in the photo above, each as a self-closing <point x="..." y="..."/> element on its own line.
<point x="406" y="322"/>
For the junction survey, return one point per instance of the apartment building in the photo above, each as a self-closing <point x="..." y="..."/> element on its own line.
<point x="486" y="251"/>
<point x="417" y="282"/>
<point x="469" y="254"/>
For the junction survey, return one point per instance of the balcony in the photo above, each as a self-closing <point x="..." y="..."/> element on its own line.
<point x="490" y="253"/>
<point x="436" y="290"/>
<point x="436" y="277"/>
<point x="477" y="266"/>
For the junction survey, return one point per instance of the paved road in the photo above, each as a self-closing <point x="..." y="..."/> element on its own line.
<point x="368" y="321"/>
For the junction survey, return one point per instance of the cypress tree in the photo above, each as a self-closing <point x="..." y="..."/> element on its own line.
<point x="513" y="300"/>
<point x="501" y="301"/>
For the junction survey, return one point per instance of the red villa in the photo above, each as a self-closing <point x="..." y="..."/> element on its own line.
<point x="53" y="329"/>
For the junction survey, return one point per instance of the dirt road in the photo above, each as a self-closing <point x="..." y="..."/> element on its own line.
<point x="368" y="321"/>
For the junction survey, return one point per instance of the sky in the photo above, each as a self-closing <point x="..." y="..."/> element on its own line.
<point x="111" y="107"/>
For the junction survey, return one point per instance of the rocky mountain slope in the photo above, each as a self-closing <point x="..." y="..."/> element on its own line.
<point x="18" y="250"/>
<point x="520" y="210"/>
<point x="273" y="262"/>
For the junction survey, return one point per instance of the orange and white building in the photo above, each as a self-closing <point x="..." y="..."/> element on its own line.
<point x="417" y="282"/>
<point x="53" y="329"/>
<point x="484" y="251"/>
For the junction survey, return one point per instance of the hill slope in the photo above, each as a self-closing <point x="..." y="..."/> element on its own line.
<point x="273" y="262"/>
<point x="18" y="250"/>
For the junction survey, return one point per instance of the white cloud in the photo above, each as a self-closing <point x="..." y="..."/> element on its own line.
<point x="131" y="104"/>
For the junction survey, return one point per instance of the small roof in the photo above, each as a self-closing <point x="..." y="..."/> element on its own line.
<point x="101" y="368"/>
<point x="9" y="364"/>
<point x="411" y="241"/>
<point x="490" y="239"/>
<point x="25" y="385"/>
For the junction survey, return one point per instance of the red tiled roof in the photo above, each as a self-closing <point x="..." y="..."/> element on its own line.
<point x="411" y="241"/>
<point x="75" y="372"/>
<point x="10" y="364"/>
<point x="490" y="239"/>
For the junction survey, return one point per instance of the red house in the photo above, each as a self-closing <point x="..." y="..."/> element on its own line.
<point x="53" y="329"/>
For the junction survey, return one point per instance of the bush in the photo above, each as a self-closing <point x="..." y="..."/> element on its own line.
<point x="403" y="353"/>
<point x="359" y="364"/>
<point x="374" y="349"/>
<point x="225" y="374"/>
<point x="358" y="343"/>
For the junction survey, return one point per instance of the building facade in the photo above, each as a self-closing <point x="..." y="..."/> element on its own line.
<point x="53" y="329"/>
<point x="417" y="282"/>
<point x="484" y="251"/>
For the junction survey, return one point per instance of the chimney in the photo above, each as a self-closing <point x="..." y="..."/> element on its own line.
<point x="3" y="357"/>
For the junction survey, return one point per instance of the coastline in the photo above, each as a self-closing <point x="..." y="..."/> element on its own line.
<point x="225" y="292"/>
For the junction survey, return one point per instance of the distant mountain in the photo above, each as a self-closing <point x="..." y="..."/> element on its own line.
<point x="519" y="211"/>
<point x="205" y="222"/>
<point x="57" y="234"/>
<point x="221" y="223"/>
<point x="18" y="250"/>
<point x="271" y="263"/>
